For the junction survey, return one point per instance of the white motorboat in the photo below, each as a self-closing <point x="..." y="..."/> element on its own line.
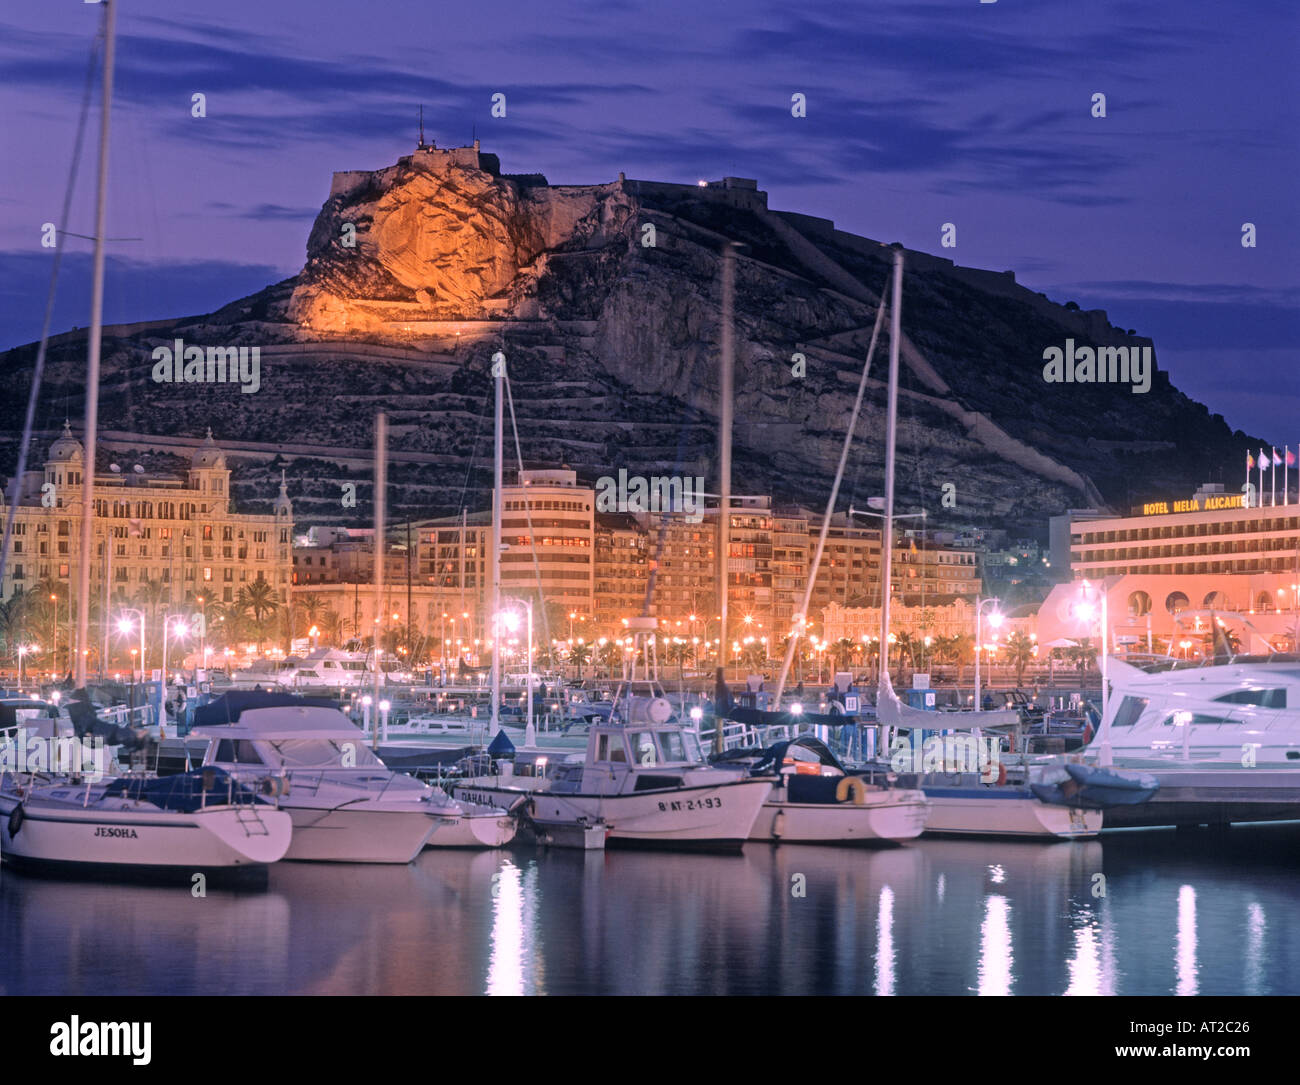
<point x="347" y="806"/>
<point x="817" y="801"/>
<point x="1235" y="712"/>
<point x="324" y="668"/>
<point x="136" y="827"/>
<point x="643" y="776"/>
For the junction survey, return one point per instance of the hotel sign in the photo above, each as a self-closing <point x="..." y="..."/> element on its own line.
<point x="1207" y="504"/>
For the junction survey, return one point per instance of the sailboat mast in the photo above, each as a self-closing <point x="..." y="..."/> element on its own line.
<point x="887" y="539"/>
<point x="92" y="363"/>
<point x="380" y="549"/>
<point x="725" y="393"/>
<point x="499" y="373"/>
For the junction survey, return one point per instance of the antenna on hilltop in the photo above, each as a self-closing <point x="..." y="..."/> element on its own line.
<point x="420" y="145"/>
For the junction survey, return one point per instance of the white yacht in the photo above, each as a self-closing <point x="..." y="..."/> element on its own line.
<point x="347" y="806"/>
<point x="323" y="668"/>
<point x="137" y="827"/>
<point x="1230" y="714"/>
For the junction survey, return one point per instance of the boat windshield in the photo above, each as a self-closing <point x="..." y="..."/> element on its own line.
<point x="671" y="747"/>
<point x="315" y="753"/>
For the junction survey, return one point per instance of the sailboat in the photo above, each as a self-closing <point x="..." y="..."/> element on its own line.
<point x="128" y="827"/>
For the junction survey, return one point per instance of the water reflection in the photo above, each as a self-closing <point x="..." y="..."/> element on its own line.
<point x="995" y="947"/>
<point x="1186" y="940"/>
<point x="1177" y="915"/>
<point x="885" y="943"/>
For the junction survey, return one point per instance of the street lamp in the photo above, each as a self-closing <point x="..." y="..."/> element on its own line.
<point x="1085" y="609"/>
<point x="24" y="650"/>
<point x="511" y="621"/>
<point x="178" y="629"/>
<point x="995" y="620"/>
<point x="54" y="630"/>
<point x="125" y="626"/>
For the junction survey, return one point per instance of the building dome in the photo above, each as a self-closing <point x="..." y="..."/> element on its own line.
<point x="66" y="448"/>
<point x="208" y="454"/>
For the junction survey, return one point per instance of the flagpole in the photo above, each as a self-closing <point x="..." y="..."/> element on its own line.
<point x="1261" y="479"/>
<point x="1272" y="476"/>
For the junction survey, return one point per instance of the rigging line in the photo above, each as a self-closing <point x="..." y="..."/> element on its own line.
<point x="528" y="512"/>
<point x="830" y="503"/>
<point x="38" y="371"/>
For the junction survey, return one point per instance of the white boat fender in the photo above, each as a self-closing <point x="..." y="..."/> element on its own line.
<point x="851" y="785"/>
<point x="778" y="824"/>
<point x="275" y="785"/>
<point x="16" y="818"/>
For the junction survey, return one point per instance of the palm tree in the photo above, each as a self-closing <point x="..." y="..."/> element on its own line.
<point x="580" y="656"/>
<point x="331" y="627"/>
<point x="310" y="611"/>
<point x="962" y="648"/>
<point x="611" y="657"/>
<point x="259" y="601"/>
<point x="1020" y="652"/>
<point x="842" y="652"/>
<point x="1083" y="655"/>
<point x="754" y="655"/>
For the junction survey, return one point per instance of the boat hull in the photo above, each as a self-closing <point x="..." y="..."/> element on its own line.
<point x="885" y="817"/>
<point x="361" y="834"/>
<point x="140" y="844"/>
<point x="1010" y="812"/>
<point x="473" y="830"/>
<point x="713" y="817"/>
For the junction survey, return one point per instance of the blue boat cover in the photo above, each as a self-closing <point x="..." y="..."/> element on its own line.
<point x="227" y="708"/>
<point x="183" y="793"/>
<point x="501" y="746"/>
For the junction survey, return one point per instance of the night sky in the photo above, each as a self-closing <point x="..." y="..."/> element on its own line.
<point x="920" y="112"/>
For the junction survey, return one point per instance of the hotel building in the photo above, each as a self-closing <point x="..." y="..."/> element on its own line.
<point x="1210" y="550"/>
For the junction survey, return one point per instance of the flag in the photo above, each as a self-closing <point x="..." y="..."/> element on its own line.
<point x="1250" y="462"/>
<point x="1290" y="458"/>
<point x="1264" y="461"/>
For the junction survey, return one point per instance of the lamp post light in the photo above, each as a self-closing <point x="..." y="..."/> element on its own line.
<point x="511" y="620"/>
<point x="124" y="626"/>
<point x="24" y="650"/>
<point x="995" y="620"/>
<point x="178" y="629"/>
<point x="1086" y="610"/>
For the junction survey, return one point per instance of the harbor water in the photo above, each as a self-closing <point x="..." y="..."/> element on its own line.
<point x="1134" y="913"/>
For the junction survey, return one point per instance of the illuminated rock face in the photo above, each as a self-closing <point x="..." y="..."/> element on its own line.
<point x="441" y="236"/>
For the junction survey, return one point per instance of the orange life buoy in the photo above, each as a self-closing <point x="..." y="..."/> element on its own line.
<point x="851" y="785"/>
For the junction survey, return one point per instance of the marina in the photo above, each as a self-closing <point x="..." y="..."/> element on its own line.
<point x="626" y="580"/>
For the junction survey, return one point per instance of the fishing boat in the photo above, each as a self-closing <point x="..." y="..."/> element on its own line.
<point x="643" y="775"/>
<point x="347" y="805"/>
<point x="816" y="800"/>
<point x="140" y="828"/>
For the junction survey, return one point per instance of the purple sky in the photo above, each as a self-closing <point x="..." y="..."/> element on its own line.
<point x="920" y="112"/>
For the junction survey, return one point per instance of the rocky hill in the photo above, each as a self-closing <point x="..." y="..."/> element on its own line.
<point x="606" y="301"/>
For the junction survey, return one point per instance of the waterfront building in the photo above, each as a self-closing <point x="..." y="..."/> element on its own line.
<point x="1209" y="550"/>
<point x="172" y="539"/>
